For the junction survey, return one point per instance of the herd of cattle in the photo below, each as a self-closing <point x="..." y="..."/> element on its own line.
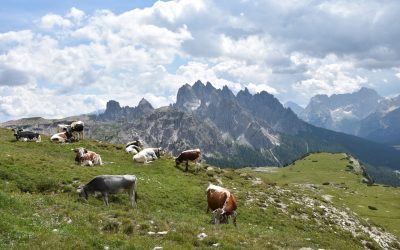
<point x="220" y="200"/>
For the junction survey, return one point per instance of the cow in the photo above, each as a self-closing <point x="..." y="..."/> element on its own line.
<point x="87" y="158"/>
<point x="222" y="204"/>
<point x="147" y="155"/>
<point x="62" y="137"/>
<point x="133" y="147"/>
<point x="21" y="135"/>
<point x="77" y="130"/>
<point x="188" y="155"/>
<point x="110" y="184"/>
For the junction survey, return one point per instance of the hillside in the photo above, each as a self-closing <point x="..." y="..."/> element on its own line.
<point x="279" y="208"/>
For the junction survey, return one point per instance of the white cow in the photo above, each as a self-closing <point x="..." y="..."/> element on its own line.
<point x="147" y="155"/>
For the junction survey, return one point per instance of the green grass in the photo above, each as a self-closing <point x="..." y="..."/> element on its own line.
<point x="40" y="209"/>
<point x="345" y="187"/>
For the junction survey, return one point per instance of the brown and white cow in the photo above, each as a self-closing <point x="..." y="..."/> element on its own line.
<point x="87" y="158"/>
<point x="189" y="155"/>
<point x="222" y="204"/>
<point x="62" y="137"/>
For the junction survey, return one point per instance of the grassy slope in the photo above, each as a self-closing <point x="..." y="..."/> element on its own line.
<point x="39" y="207"/>
<point x="345" y="188"/>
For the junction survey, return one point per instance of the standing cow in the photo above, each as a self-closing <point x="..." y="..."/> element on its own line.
<point x="77" y="130"/>
<point x="222" y="204"/>
<point x="110" y="184"/>
<point x="189" y="155"/>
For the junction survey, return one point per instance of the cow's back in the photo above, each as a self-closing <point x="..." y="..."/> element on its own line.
<point x="216" y="199"/>
<point x="189" y="155"/>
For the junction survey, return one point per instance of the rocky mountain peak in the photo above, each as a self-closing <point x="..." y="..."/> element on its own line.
<point x="143" y="108"/>
<point x="112" y="106"/>
<point x="145" y="105"/>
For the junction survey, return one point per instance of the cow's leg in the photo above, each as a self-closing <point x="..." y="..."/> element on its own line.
<point x="234" y="218"/>
<point x="187" y="165"/>
<point x="132" y="197"/>
<point x="105" y="198"/>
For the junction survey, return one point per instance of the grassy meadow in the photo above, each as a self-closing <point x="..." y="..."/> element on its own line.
<point x="40" y="209"/>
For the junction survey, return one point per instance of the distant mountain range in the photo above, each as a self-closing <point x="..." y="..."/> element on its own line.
<point x="232" y="130"/>
<point x="363" y="113"/>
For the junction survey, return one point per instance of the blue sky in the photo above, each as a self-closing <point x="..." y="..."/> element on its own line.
<point x="18" y="14"/>
<point x="62" y="58"/>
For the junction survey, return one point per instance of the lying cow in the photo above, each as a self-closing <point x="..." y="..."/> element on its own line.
<point x="62" y="137"/>
<point x="21" y="135"/>
<point x="77" y="129"/>
<point x="147" y="155"/>
<point x="133" y="147"/>
<point x="189" y="155"/>
<point x="110" y="184"/>
<point x="222" y="204"/>
<point x="87" y="158"/>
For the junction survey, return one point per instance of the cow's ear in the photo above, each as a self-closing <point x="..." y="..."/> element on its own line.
<point x="85" y="150"/>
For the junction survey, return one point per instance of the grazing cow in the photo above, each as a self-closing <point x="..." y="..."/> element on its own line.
<point x="21" y="135"/>
<point x="189" y="155"/>
<point x="133" y="147"/>
<point x="111" y="184"/>
<point x="63" y="128"/>
<point x="62" y="137"/>
<point x="77" y="129"/>
<point x="147" y="155"/>
<point x="87" y="158"/>
<point x="222" y="204"/>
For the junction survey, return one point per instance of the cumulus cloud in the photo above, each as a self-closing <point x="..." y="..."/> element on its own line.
<point x="50" y="21"/>
<point x="76" y="14"/>
<point x="292" y="49"/>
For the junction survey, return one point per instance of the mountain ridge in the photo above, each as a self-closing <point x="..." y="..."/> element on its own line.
<point x="232" y="130"/>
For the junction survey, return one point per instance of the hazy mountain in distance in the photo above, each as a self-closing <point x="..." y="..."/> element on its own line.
<point x="342" y="112"/>
<point x="297" y="109"/>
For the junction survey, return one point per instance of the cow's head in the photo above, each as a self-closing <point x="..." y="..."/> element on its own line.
<point x="159" y="152"/>
<point x="82" y="192"/>
<point x="219" y="216"/>
<point x="16" y="130"/>
<point x="178" y="161"/>
<point x="80" y="152"/>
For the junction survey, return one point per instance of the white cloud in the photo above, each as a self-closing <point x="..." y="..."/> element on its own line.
<point x="398" y="72"/>
<point x="256" y="88"/>
<point x="76" y="14"/>
<point x="329" y="75"/>
<point x="22" y="102"/>
<point x="51" y="21"/>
